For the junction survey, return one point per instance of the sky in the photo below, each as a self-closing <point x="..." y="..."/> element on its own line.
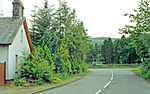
<point x="102" y="18"/>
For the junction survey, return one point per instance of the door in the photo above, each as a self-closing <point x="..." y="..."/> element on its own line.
<point x="2" y="73"/>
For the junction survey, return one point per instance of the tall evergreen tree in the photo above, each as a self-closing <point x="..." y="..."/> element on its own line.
<point x="124" y="51"/>
<point x="107" y="51"/>
<point x="72" y="33"/>
<point x="42" y="24"/>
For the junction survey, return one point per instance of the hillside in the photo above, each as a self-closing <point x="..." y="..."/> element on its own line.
<point x="100" y="40"/>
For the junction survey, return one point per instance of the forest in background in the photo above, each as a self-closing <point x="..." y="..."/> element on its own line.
<point x="100" y="40"/>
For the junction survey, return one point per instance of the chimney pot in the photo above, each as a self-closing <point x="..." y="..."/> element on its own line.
<point x="18" y="9"/>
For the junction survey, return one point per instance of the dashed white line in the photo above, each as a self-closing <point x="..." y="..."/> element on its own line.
<point x="107" y="83"/>
<point x="111" y="78"/>
<point x="98" y="92"/>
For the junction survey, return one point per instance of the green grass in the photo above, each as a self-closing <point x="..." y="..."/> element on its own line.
<point x="103" y="67"/>
<point x="136" y="70"/>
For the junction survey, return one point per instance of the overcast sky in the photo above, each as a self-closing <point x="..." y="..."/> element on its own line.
<point x="102" y="18"/>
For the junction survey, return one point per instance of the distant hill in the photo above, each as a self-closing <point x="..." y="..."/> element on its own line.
<point x="100" y="40"/>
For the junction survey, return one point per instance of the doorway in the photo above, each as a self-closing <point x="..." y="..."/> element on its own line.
<point x="2" y="73"/>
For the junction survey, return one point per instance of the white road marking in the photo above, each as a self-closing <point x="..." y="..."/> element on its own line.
<point x="107" y="84"/>
<point x="98" y="92"/>
<point x="112" y="76"/>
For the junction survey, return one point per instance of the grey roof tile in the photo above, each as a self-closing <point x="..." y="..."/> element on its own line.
<point x="8" y="29"/>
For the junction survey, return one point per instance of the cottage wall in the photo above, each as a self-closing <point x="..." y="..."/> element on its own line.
<point x="19" y="46"/>
<point x="4" y="54"/>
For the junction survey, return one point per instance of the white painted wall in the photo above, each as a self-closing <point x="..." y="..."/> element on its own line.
<point x="17" y="48"/>
<point x="4" y="54"/>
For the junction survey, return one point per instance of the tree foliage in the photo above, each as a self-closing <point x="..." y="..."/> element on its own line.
<point x="140" y="19"/>
<point x="140" y="32"/>
<point x="94" y="51"/>
<point x="35" y="68"/>
<point x="107" y="51"/>
<point x="121" y="51"/>
<point x="124" y="51"/>
<point x="60" y="42"/>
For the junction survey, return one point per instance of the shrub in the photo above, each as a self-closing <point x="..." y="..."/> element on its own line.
<point x="84" y="66"/>
<point x="79" y="68"/>
<point x="35" y="68"/>
<point x="20" y="82"/>
<point x="62" y="76"/>
<point x="39" y="81"/>
<point x="66" y="76"/>
<point x="145" y="69"/>
<point x="55" y="80"/>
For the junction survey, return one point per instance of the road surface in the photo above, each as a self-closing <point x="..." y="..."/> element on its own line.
<point x="105" y="81"/>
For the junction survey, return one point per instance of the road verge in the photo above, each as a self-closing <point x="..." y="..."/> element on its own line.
<point x="37" y="89"/>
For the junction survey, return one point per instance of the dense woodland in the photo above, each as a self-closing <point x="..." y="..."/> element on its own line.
<point x="121" y="51"/>
<point x="100" y="40"/>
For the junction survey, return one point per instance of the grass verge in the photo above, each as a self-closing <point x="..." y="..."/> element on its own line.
<point x="136" y="70"/>
<point x="11" y="89"/>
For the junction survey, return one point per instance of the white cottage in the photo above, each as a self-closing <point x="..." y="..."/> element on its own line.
<point x="14" y="39"/>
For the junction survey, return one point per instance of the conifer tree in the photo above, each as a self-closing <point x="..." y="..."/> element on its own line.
<point x="107" y="51"/>
<point x="42" y="24"/>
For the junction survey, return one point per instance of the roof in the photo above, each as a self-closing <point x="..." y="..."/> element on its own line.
<point x="8" y="29"/>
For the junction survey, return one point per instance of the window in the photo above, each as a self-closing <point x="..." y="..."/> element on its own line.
<point x="16" y="63"/>
<point x="21" y="35"/>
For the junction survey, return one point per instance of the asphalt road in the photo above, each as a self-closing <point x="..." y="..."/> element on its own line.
<point x="126" y="82"/>
<point x="106" y="81"/>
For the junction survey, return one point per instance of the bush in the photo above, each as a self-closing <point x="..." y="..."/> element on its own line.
<point x="66" y="76"/>
<point x="38" y="67"/>
<point x="145" y="69"/>
<point x="84" y="67"/>
<point x="81" y="67"/>
<point x="20" y="82"/>
<point x="35" y="68"/>
<point x="39" y="81"/>
<point x="55" y="80"/>
<point x="62" y="76"/>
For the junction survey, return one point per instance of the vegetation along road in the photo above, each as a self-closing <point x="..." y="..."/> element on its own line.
<point x="106" y="81"/>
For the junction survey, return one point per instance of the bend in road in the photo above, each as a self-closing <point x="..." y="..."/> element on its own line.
<point x="88" y="85"/>
<point x="121" y="81"/>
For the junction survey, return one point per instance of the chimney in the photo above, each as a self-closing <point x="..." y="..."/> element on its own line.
<point x="18" y="9"/>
